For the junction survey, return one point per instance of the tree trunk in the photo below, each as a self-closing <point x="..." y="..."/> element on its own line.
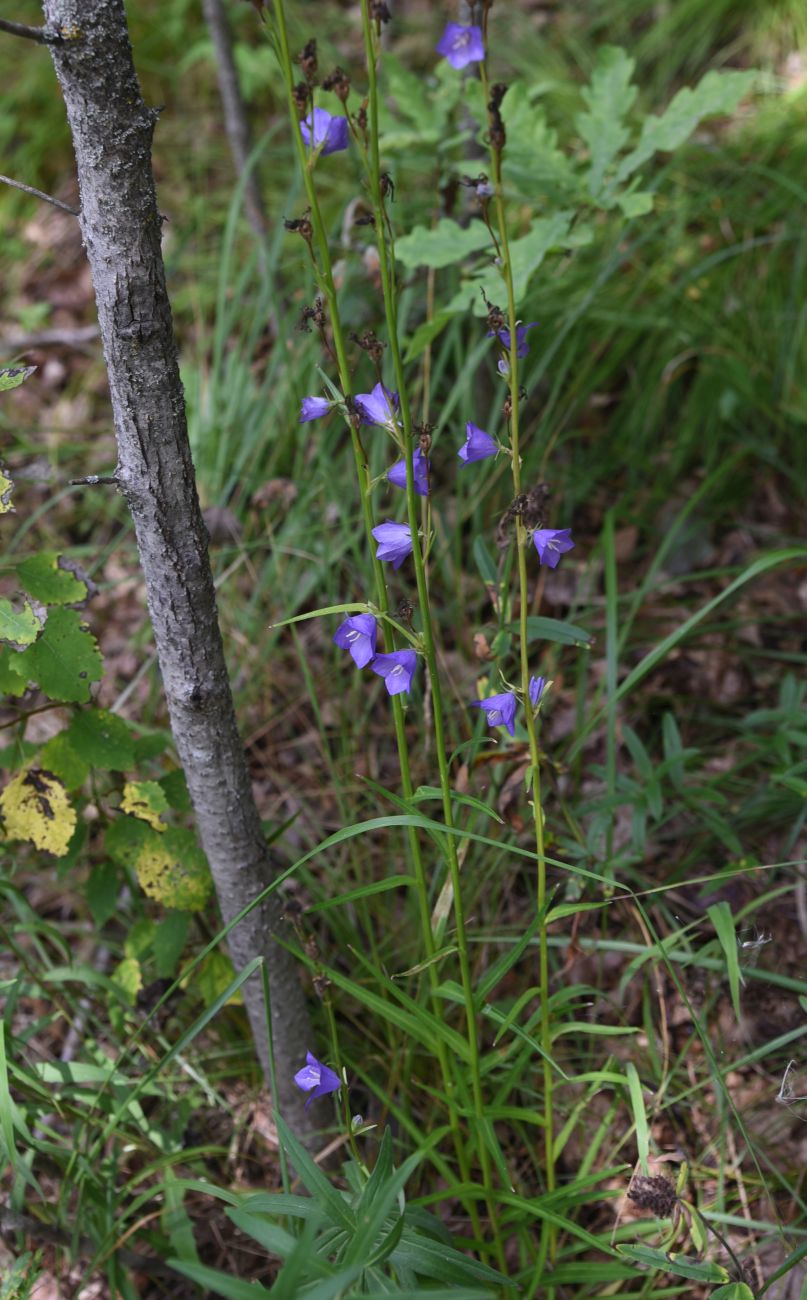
<point x="121" y="226"/>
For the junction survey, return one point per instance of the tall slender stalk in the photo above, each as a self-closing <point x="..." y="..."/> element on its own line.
<point x="522" y="537"/>
<point x="324" y="273"/>
<point x="389" y="290"/>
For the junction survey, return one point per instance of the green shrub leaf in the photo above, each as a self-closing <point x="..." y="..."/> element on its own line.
<point x="65" y="660"/>
<point x="102" y="739"/>
<point x="608" y="99"/>
<point x="46" y="577"/>
<point x="19" y="628"/>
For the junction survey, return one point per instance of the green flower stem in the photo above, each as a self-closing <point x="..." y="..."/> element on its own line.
<point x="325" y="277"/>
<point x="386" y="266"/>
<point x="344" y="1099"/>
<point x="523" y="586"/>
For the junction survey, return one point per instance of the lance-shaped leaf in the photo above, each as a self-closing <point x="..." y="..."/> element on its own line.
<point x="35" y="807"/>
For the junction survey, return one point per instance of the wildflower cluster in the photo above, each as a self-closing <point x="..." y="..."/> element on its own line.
<point x="381" y="408"/>
<point x="358" y="633"/>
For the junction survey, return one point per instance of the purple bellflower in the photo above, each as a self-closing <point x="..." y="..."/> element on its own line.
<point x="503" y="335"/>
<point x="551" y="543"/>
<point x="358" y="635"/>
<point x="536" y="689"/>
<point x="500" y="710"/>
<point x="478" y="445"/>
<point x="394" y="542"/>
<point x="397" y="474"/>
<point x="313" y="408"/>
<point x="461" y="45"/>
<point x="330" y="133"/>
<point x="397" y="669"/>
<point x="314" y="1075"/>
<point x="378" y="407"/>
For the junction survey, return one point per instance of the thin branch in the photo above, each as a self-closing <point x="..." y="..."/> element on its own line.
<point x="38" y="194"/>
<point x="42" y="35"/>
<point x="236" y="122"/>
<point x="93" y="480"/>
<point x="76" y="337"/>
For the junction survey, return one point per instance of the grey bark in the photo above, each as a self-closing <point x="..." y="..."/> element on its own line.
<point x="236" y="123"/>
<point x="121" y="226"/>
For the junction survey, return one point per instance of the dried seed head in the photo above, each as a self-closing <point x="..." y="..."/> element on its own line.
<point x="339" y="82"/>
<point x="379" y="11"/>
<point x="497" y="321"/>
<point x="300" y="94"/>
<point x="424" y="436"/>
<point x="405" y="610"/>
<point x="387" y="186"/>
<point x="315" y="314"/>
<point x="301" y="226"/>
<point x="369" y="343"/>
<point x="307" y="59"/>
<point x="655" y="1193"/>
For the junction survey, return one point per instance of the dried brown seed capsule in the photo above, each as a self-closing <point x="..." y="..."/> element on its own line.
<point x="339" y="82"/>
<point x="307" y="59"/>
<point x="655" y="1193"/>
<point x="300" y="94"/>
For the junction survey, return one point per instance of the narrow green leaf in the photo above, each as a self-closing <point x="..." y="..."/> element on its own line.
<point x="555" y="629"/>
<point x="734" y="1291"/>
<point x="639" y="1114"/>
<point x="425" y="334"/>
<point x="698" y="1270"/>
<point x="723" y="921"/>
<point x="424" y="793"/>
<point x="317" y="1183"/>
<point x="763" y="565"/>
<point x="364" y="891"/>
<point x="232" y="1288"/>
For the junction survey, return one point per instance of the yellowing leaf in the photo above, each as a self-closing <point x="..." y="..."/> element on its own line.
<point x="6" y="488"/>
<point x="172" y="869"/>
<point x="129" y="978"/>
<point x="213" y="977"/>
<point x="20" y="627"/>
<point x="35" y="807"/>
<point x="146" y="800"/>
